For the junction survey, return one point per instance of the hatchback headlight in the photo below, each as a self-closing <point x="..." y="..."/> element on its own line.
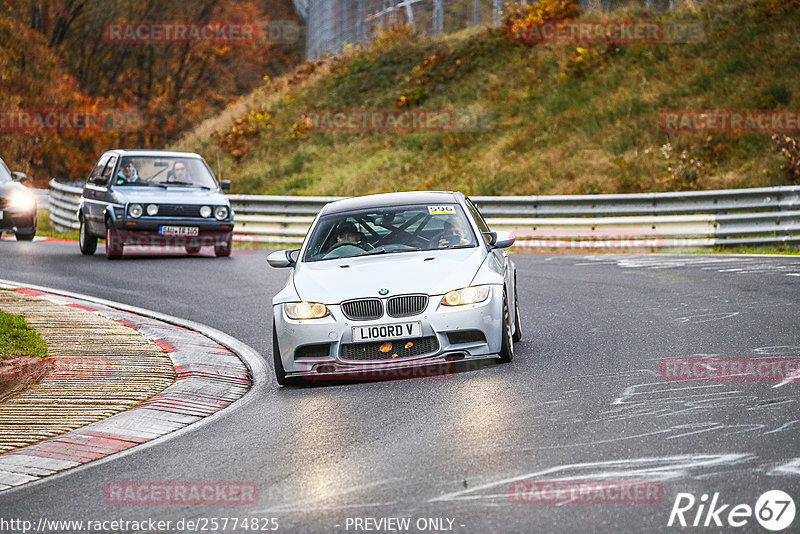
<point x="21" y="200"/>
<point x="467" y="295"/>
<point x="152" y="210"/>
<point x="205" y="211"/>
<point x="135" y="210"/>
<point x="221" y="213"/>
<point x="306" y="310"/>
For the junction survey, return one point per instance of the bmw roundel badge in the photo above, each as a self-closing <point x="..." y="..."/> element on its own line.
<point x="383" y="292"/>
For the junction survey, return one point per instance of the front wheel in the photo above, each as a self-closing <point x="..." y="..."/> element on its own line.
<point x="224" y="248"/>
<point x="114" y="244"/>
<point x="507" y="347"/>
<point x="86" y="242"/>
<point x="26" y="237"/>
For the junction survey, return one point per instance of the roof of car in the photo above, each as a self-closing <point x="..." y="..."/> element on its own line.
<point x="390" y="199"/>
<point x="156" y="153"/>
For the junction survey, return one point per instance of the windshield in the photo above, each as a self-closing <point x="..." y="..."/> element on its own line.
<point x="164" y="171"/>
<point x="389" y="230"/>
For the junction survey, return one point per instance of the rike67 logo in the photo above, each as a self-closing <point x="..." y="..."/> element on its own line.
<point x="774" y="510"/>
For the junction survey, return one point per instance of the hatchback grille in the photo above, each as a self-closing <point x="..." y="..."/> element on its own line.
<point x="363" y="309"/>
<point x="396" y="348"/>
<point x="178" y="210"/>
<point x="406" y="305"/>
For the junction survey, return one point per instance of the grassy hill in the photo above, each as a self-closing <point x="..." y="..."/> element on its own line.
<point x="554" y="119"/>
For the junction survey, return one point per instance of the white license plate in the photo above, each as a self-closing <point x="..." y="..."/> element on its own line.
<point x="179" y="230"/>
<point x="379" y="332"/>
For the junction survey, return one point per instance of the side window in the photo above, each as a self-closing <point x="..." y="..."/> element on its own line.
<point x="478" y="219"/>
<point x="98" y="169"/>
<point x="110" y="168"/>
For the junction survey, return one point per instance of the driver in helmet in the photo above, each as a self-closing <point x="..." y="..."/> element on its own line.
<point x="348" y="233"/>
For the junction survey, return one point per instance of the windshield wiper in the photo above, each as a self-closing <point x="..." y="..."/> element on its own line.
<point x="175" y="182"/>
<point x="460" y="246"/>
<point x="382" y="250"/>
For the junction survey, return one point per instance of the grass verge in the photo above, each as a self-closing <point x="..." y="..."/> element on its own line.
<point x="45" y="228"/>
<point x="17" y="338"/>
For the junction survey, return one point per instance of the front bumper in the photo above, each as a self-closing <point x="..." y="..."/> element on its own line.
<point x="15" y="220"/>
<point x="148" y="224"/>
<point x="146" y="239"/>
<point x="440" y="325"/>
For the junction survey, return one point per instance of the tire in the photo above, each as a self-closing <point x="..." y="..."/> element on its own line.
<point x="192" y="249"/>
<point x="517" y="321"/>
<point x="26" y="237"/>
<point x="114" y="246"/>
<point x="86" y="242"/>
<point x="280" y="372"/>
<point x="507" y="347"/>
<point x="224" y="249"/>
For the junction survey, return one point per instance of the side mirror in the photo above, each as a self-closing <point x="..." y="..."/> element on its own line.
<point x="501" y="239"/>
<point x="101" y="180"/>
<point x="283" y="258"/>
<point x="225" y="184"/>
<point x="19" y="176"/>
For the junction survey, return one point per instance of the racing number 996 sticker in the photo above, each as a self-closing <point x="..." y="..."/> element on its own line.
<point x="441" y="210"/>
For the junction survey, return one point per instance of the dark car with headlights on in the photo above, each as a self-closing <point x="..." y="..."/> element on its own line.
<point x="159" y="198"/>
<point x="17" y="205"/>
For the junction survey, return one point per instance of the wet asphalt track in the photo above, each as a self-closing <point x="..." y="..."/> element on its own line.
<point x="582" y="400"/>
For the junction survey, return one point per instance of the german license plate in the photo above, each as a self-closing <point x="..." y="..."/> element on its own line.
<point x="179" y="230"/>
<point x="379" y="332"/>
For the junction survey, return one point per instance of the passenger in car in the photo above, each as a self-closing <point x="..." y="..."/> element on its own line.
<point x="180" y="173"/>
<point x="453" y="234"/>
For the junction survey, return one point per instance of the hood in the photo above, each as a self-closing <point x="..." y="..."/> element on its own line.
<point x="171" y="195"/>
<point x="401" y="273"/>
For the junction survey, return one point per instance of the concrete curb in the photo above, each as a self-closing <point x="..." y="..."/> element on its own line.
<point x="213" y="371"/>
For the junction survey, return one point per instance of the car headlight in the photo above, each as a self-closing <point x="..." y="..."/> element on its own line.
<point x="152" y="210"/>
<point x="22" y="200"/>
<point x="205" y="211"/>
<point x="306" y="310"/>
<point x="135" y="210"/>
<point x="467" y="295"/>
<point x="221" y="213"/>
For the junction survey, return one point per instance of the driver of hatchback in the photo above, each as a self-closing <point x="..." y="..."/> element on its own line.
<point x="127" y="173"/>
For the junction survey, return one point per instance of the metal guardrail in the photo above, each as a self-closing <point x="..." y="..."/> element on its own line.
<point x="64" y="202"/>
<point x="645" y="221"/>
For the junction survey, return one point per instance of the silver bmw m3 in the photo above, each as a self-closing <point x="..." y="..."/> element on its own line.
<point x="385" y="285"/>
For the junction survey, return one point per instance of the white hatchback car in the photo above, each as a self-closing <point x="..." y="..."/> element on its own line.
<point x="389" y="282"/>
